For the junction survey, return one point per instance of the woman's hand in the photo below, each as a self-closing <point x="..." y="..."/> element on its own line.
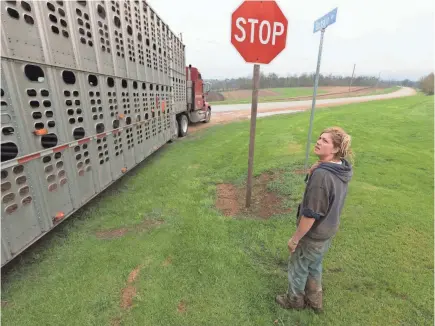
<point x="292" y="245"/>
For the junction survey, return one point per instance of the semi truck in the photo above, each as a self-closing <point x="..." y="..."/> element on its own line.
<point x="89" y="89"/>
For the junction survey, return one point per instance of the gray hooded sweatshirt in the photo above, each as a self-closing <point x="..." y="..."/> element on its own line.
<point x="324" y="198"/>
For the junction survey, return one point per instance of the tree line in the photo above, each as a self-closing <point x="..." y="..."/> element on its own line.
<point x="272" y="80"/>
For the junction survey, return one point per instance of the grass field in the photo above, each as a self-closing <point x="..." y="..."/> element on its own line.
<point x="378" y="91"/>
<point x="198" y="267"/>
<point x="286" y="93"/>
<point x="283" y="95"/>
<point x="296" y="91"/>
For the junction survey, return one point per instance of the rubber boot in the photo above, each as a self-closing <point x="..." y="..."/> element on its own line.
<point x="314" y="295"/>
<point x="290" y="303"/>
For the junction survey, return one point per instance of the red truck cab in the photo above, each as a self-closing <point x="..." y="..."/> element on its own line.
<point x="197" y="106"/>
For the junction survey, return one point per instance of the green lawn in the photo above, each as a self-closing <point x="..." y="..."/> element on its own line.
<point x="284" y="95"/>
<point x="385" y="90"/>
<point x="224" y="271"/>
<point x="377" y="92"/>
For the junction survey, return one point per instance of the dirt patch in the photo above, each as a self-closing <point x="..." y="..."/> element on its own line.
<point x="243" y="94"/>
<point x="167" y="262"/>
<point x="236" y="95"/>
<point x="133" y="275"/>
<point x="148" y="224"/>
<point x="267" y="92"/>
<point x="181" y="307"/>
<point x="231" y="200"/>
<point x="117" y="233"/>
<point x="213" y="96"/>
<point x="4" y="304"/>
<point x="227" y="199"/>
<point x="110" y="234"/>
<point x="128" y="294"/>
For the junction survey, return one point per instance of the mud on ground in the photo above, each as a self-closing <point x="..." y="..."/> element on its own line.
<point x="118" y="233"/>
<point x="231" y="199"/>
<point x="247" y="93"/>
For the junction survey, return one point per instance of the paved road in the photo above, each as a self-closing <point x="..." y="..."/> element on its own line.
<point x="228" y="113"/>
<point x="404" y="91"/>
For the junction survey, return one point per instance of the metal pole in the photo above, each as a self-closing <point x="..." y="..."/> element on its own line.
<point x="255" y="86"/>
<point x="316" y="83"/>
<point x="351" y="79"/>
<point x="377" y="82"/>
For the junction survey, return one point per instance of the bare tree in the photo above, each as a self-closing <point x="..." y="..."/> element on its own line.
<point x="427" y="84"/>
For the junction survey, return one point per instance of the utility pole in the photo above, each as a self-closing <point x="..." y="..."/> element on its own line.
<point x="379" y="77"/>
<point x="351" y="79"/>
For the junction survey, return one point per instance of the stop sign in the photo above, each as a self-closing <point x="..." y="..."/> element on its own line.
<point x="258" y="31"/>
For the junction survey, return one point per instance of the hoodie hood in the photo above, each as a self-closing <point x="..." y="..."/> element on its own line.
<point x="342" y="171"/>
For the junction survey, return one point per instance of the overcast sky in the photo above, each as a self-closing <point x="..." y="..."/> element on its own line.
<point x="391" y="37"/>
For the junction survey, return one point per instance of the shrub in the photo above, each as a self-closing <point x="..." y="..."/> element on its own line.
<point x="427" y="84"/>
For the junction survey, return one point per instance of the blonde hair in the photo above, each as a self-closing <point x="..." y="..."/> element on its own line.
<point x="342" y="141"/>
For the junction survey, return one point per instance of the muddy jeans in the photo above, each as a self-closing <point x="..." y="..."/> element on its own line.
<point x="305" y="271"/>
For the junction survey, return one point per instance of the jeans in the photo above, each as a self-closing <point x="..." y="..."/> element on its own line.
<point x="305" y="270"/>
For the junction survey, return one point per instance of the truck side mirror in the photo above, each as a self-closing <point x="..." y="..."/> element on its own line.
<point x="207" y="87"/>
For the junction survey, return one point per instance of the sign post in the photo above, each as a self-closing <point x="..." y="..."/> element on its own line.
<point x="259" y="33"/>
<point x="319" y="24"/>
<point x="255" y="86"/>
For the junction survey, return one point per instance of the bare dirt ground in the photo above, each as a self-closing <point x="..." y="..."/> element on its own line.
<point x="237" y="115"/>
<point x="118" y="233"/>
<point x="129" y="292"/>
<point x="231" y="199"/>
<point x="181" y="307"/>
<point x="215" y="96"/>
<point x="246" y="93"/>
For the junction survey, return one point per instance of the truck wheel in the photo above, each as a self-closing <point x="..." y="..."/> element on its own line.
<point x="207" y="116"/>
<point x="174" y="136"/>
<point x="183" y="125"/>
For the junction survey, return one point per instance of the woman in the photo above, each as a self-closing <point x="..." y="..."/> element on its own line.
<point x="318" y="219"/>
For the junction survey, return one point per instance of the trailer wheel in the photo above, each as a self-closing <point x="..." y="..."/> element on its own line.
<point x="207" y="116"/>
<point x="183" y="125"/>
<point x="174" y="136"/>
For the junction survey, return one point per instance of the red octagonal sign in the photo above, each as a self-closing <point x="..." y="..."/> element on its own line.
<point x="258" y="31"/>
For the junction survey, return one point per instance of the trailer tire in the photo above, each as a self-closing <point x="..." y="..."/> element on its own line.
<point x="174" y="136"/>
<point x="183" y="125"/>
